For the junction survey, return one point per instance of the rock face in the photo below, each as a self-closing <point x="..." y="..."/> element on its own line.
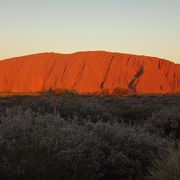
<point x="89" y="72"/>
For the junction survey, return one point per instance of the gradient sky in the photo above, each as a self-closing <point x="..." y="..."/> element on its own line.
<point x="145" y="27"/>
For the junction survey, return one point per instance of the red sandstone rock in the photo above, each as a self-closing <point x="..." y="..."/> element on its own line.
<point x="89" y="72"/>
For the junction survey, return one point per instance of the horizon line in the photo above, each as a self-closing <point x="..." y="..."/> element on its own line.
<point x="90" y="51"/>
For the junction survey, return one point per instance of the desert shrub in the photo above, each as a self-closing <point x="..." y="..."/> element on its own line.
<point x="69" y="93"/>
<point x="130" y="109"/>
<point x="166" y="122"/>
<point x="46" y="146"/>
<point x="129" y="113"/>
<point x="169" y="168"/>
<point x="43" y="104"/>
<point x="137" y="114"/>
<point x="49" y="92"/>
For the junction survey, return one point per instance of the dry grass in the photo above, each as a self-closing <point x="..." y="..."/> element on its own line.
<point x="168" y="169"/>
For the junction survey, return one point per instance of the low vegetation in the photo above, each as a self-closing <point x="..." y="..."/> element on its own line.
<point x="84" y="137"/>
<point x="169" y="168"/>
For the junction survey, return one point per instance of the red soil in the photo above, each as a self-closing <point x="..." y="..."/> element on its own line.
<point x="89" y="72"/>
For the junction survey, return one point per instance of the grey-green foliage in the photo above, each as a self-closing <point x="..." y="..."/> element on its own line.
<point x="46" y="146"/>
<point x="165" y="122"/>
<point x="168" y="168"/>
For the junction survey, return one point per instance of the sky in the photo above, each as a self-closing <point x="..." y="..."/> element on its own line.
<point x="144" y="27"/>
